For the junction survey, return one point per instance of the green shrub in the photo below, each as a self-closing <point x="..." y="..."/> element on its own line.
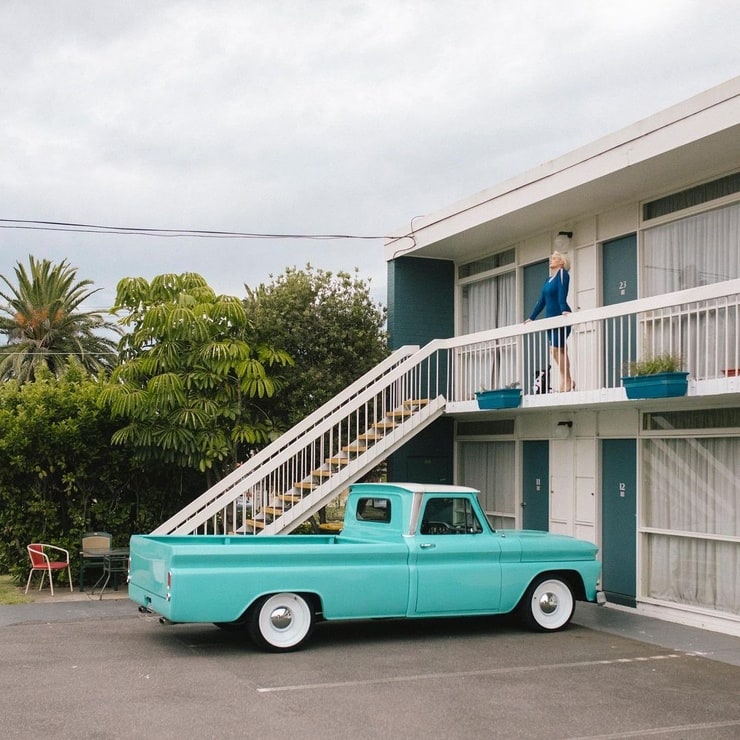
<point x="60" y="476"/>
<point x="665" y="363"/>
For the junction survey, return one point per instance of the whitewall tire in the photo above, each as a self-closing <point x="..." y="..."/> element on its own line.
<point x="548" y="604"/>
<point x="281" y="622"/>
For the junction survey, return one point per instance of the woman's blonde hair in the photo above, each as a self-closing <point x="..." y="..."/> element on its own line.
<point x="562" y="258"/>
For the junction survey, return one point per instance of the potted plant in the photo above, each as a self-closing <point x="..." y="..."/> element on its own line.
<point x="660" y="376"/>
<point x="500" y="398"/>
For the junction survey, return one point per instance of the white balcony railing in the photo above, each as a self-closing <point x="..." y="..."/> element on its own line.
<point x="700" y="325"/>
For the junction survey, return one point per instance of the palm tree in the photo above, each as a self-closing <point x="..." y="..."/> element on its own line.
<point x="44" y="326"/>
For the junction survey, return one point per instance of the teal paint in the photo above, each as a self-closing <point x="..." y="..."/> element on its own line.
<point x="421" y="307"/>
<point x="619" y="284"/>
<point x="619" y="519"/>
<point x="427" y="457"/>
<point x="658" y="385"/>
<point x="421" y="301"/>
<point x="405" y="568"/>
<point x="536" y="484"/>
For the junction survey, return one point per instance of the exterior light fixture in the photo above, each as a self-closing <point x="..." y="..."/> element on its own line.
<point x="562" y="240"/>
<point x="563" y="429"/>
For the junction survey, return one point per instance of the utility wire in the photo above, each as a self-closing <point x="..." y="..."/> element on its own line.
<point x="10" y="223"/>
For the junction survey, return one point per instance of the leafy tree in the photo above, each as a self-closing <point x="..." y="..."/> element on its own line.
<point x="44" y="324"/>
<point x="189" y="383"/>
<point x="330" y="326"/>
<point x="59" y="476"/>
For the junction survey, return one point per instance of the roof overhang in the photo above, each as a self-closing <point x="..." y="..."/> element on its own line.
<point x="694" y="141"/>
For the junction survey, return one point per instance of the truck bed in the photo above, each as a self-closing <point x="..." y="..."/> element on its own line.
<point x="205" y="577"/>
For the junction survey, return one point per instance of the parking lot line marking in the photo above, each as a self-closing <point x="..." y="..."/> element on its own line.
<point x="461" y="674"/>
<point x="662" y="730"/>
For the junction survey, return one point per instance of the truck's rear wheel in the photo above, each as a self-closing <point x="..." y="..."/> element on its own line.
<point x="281" y="622"/>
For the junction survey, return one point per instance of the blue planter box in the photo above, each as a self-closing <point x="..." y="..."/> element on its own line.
<point x="660" y="385"/>
<point x="500" y="398"/>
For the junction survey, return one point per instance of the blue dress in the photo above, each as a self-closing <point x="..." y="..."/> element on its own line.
<point x="554" y="299"/>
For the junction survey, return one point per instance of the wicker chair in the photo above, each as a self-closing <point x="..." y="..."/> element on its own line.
<point x="94" y="546"/>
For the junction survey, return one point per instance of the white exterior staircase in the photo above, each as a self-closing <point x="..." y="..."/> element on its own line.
<point x="307" y="467"/>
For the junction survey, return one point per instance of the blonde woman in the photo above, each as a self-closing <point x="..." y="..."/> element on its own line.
<point x="554" y="299"/>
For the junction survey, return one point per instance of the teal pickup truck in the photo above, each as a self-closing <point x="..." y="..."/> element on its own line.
<point x="406" y="550"/>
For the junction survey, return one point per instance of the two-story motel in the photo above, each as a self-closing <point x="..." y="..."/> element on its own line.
<point x="649" y="218"/>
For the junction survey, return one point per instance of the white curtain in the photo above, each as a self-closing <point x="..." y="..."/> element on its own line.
<point x="489" y="304"/>
<point x="698" y="250"/>
<point x="695" y="251"/>
<point x="489" y="467"/>
<point x="692" y="487"/>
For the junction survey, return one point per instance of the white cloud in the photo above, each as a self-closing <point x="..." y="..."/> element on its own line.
<point x="304" y="117"/>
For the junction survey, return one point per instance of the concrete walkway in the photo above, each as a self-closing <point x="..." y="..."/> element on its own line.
<point x="631" y="624"/>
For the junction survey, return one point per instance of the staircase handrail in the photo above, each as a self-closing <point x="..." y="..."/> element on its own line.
<point x="276" y="452"/>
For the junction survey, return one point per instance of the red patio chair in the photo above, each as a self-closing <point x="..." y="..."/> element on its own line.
<point x="40" y="561"/>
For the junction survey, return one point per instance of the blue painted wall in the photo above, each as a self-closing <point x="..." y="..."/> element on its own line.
<point x="421" y="301"/>
<point x="421" y="307"/>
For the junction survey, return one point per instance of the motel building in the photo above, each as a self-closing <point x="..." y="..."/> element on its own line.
<point x="649" y="219"/>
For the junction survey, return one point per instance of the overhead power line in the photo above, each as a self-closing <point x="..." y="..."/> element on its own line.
<point x="10" y="223"/>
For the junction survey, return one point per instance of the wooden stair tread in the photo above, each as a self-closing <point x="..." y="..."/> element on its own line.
<point x="400" y="413"/>
<point x="331" y="527"/>
<point x="416" y="402"/>
<point x="272" y="510"/>
<point x="289" y="498"/>
<point x="253" y="524"/>
<point x="354" y="448"/>
<point x="338" y="460"/>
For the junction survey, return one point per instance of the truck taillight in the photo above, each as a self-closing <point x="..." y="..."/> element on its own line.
<point x="169" y="579"/>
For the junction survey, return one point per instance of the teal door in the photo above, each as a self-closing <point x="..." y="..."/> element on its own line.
<point x="619" y="519"/>
<point x="536" y="351"/>
<point x="619" y="275"/>
<point x="535" y="485"/>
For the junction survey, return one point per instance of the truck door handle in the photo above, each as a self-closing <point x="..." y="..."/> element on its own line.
<point x="426" y="545"/>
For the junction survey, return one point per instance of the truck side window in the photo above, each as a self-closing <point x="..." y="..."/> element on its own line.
<point x="374" y="510"/>
<point x="449" y="516"/>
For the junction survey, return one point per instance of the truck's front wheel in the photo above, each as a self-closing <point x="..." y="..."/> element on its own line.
<point x="281" y="622"/>
<point x="548" y="604"/>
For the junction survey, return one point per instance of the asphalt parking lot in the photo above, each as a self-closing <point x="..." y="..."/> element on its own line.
<point x="90" y="669"/>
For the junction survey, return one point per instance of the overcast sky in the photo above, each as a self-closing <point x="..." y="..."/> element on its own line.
<point x="310" y="117"/>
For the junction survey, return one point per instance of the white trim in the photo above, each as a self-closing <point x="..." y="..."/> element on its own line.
<point x="733" y="539"/>
<point x="691" y="616"/>
<point x="678" y="215"/>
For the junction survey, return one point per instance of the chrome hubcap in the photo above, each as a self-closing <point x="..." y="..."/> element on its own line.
<point x="548" y="603"/>
<point x="281" y="618"/>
